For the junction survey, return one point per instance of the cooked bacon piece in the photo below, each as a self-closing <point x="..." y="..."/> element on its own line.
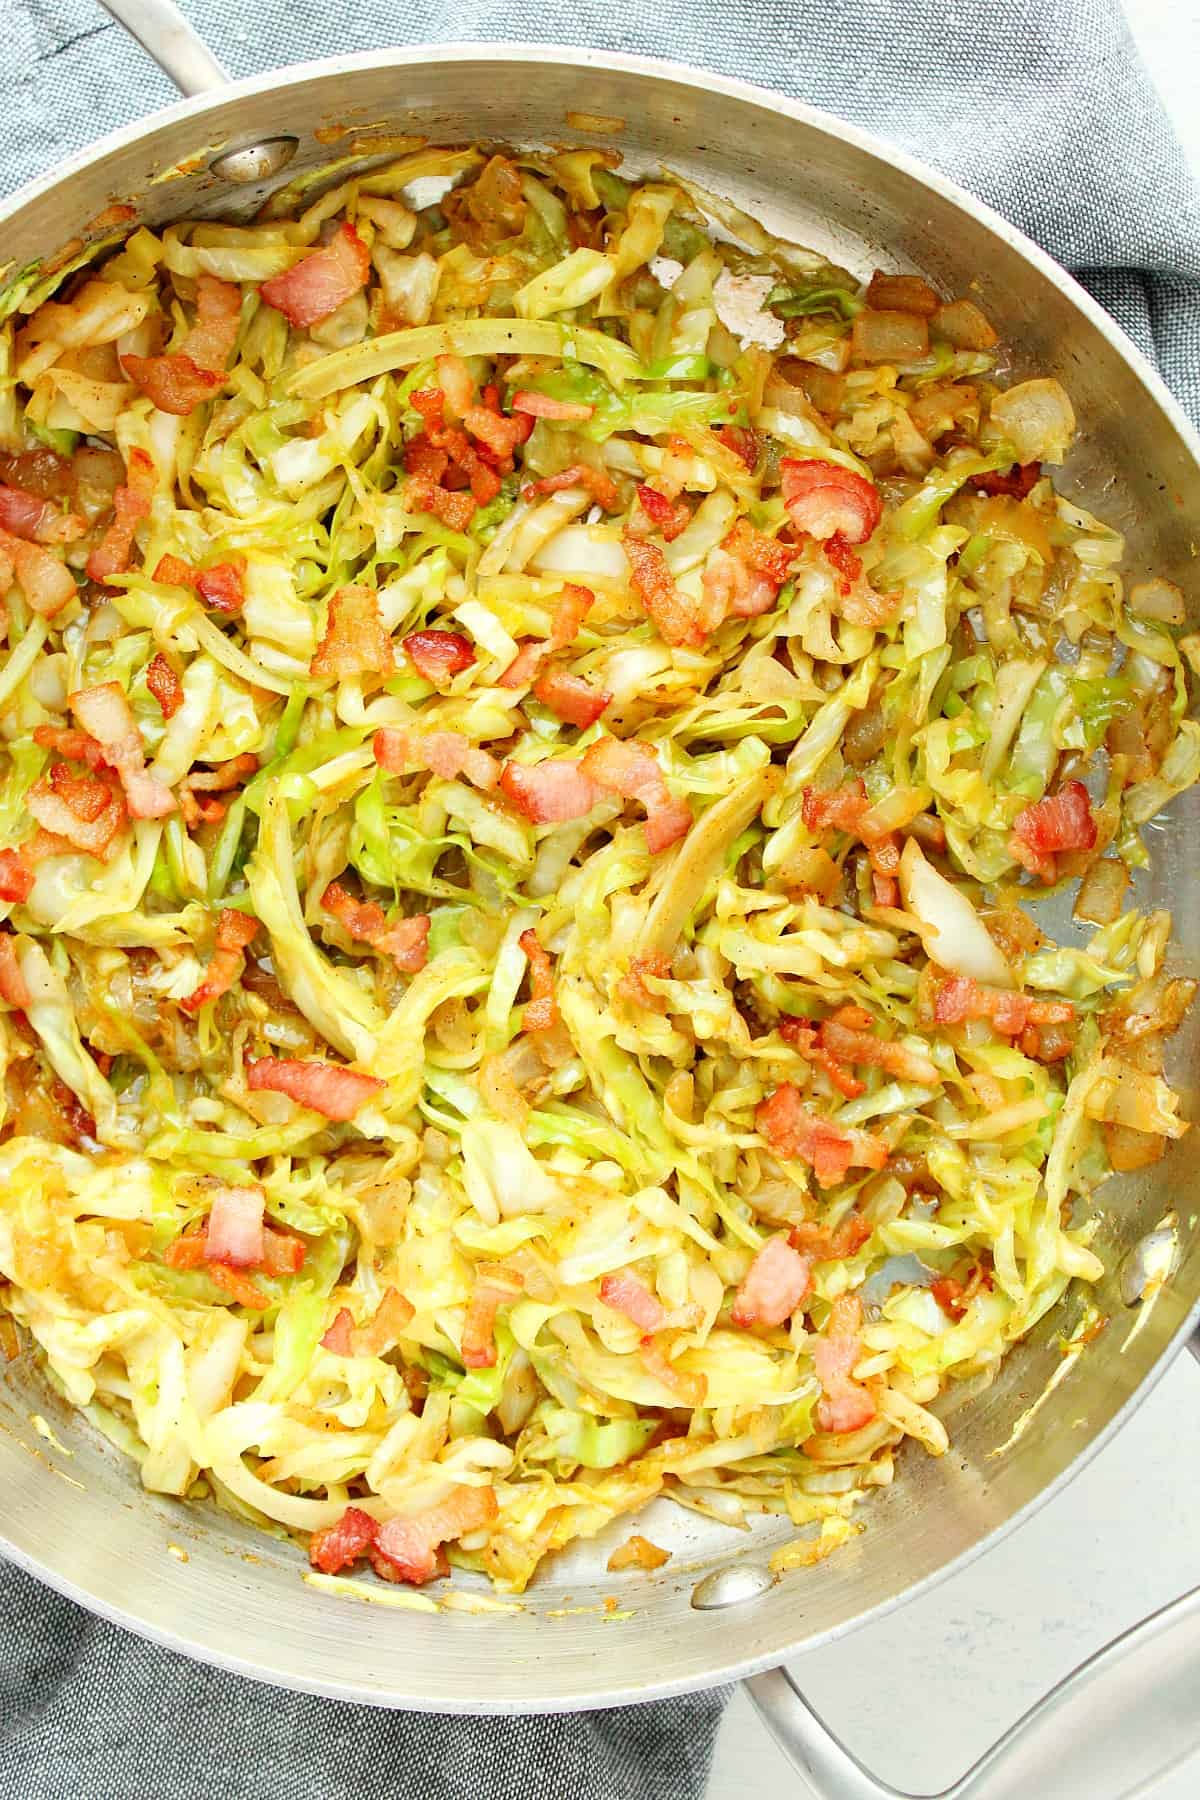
<point x="550" y="792"/>
<point x="524" y="666"/>
<point x="541" y="1010"/>
<point x="86" y="796"/>
<point x="825" y="1244"/>
<point x="494" y="1288"/>
<point x="845" y="1405"/>
<point x="234" y="931"/>
<point x="959" y="998"/>
<point x="468" y="463"/>
<point x="633" y="986"/>
<point x="29" y="516"/>
<point x="444" y="753"/>
<point x="799" y="1135"/>
<point x="131" y="504"/>
<point x="454" y="510"/>
<point x="16" y="877"/>
<point x="237" y="1286"/>
<point x="826" y="500"/>
<point x="317" y="285"/>
<point x="654" y="585"/>
<point x="13" y="988"/>
<point x="438" y="655"/>
<point x="637" y="1552"/>
<point x="282" y="1254"/>
<point x="600" y="486"/>
<point x="545" y="406"/>
<point x="76" y="746"/>
<point x="219" y="586"/>
<point x="165" y="685"/>
<point x="667" y="517"/>
<point x="742" y="442"/>
<point x="499" y="432"/>
<point x="391" y="1317"/>
<point x="773" y="1286"/>
<point x="324" y="1087"/>
<point x="355" y="641"/>
<point x="46" y="583"/>
<point x="570" y="698"/>
<point x="845" y="1038"/>
<point x="56" y="815"/>
<point x="837" y="809"/>
<point x="690" y="1390"/>
<point x="340" y="1546"/>
<point x="409" y="1545"/>
<point x="213" y="781"/>
<point x="744" y="574"/>
<point x="407" y="940"/>
<point x="1017" y="482"/>
<point x="760" y="552"/>
<point x="949" y="1293"/>
<point x="571" y="609"/>
<point x="1060" y="822"/>
<point x="626" y="1294"/>
<point x="843" y="559"/>
<point x="176" y="383"/>
<point x="630" y="769"/>
<point x="234" y="1233"/>
<point x="104" y="712"/>
<point x="218" y="316"/>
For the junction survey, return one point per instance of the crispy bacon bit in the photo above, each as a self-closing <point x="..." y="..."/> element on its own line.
<point x="948" y="1293"/>
<point x="282" y="1254"/>
<point x="742" y="442"/>
<point x="236" y="1285"/>
<point x="104" y="712"/>
<point x="355" y="641"/>
<point x="831" y="1244"/>
<point x="600" y="486"/>
<point x="1061" y="822"/>
<point x="744" y="574"/>
<point x="541" y="1010"/>
<point x="773" y="1286"/>
<point x="234" y="1233"/>
<point x="46" y="583"/>
<point x="13" y="987"/>
<point x="626" y="1294"/>
<point x="799" y="1135"/>
<point x="835" y="809"/>
<point x="845" y="1405"/>
<point x="453" y="510"/>
<point x="131" y="504"/>
<point x="218" y="316"/>
<point x="16" y="877"/>
<point x="391" y="1318"/>
<point x="56" y="815"/>
<point x="407" y="940"/>
<point x="668" y="517"/>
<point x="1011" y="1014"/>
<point x="545" y="406"/>
<point x="438" y="655"/>
<point x="324" y="1087"/>
<point x="86" y="796"/>
<point x="317" y="285"/>
<point x="234" y="931"/>
<point x="165" y="685"/>
<point x="176" y="383"/>
<point x="498" y="432"/>
<point x="572" y="608"/>
<point x="213" y="781"/>
<point x="662" y="601"/>
<point x="219" y="586"/>
<point x="76" y="746"/>
<point x="570" y="698"/>
<point x="550" y="792"/>
<point x="846" y="1038"/>
<point x="495" y="1287"/>
<point x="408" y="1546"/>
<point x="1016" y="482"/>
<point x="340" y="1546"/>
<point x="633" y="987"/>
<point x="826" y="500"/>
<point x="630" y="769"/>
<point x="29" y="516"/>
<point x="839" y="554"/>
<point x="444" y="753"/>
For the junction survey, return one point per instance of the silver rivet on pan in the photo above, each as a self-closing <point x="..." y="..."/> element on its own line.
<point x="1150" y="1262"/>
<point x="256" y="161"/>
<point x="731" y="1586"/>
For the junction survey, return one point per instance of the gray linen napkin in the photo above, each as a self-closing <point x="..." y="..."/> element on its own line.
<point x="1042" y="109"/>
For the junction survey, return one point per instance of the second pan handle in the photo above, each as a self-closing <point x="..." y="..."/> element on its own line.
<point x="161" y="29"/>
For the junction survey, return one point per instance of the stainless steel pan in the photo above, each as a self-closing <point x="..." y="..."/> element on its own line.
<point x="198" y="1581"/>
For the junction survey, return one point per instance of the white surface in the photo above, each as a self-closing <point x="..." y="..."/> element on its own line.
<point x="919" y="1696"/>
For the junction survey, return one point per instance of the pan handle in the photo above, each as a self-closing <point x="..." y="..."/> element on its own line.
<point x="1125" y="1716"/>
<point x="161" y="29"/>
